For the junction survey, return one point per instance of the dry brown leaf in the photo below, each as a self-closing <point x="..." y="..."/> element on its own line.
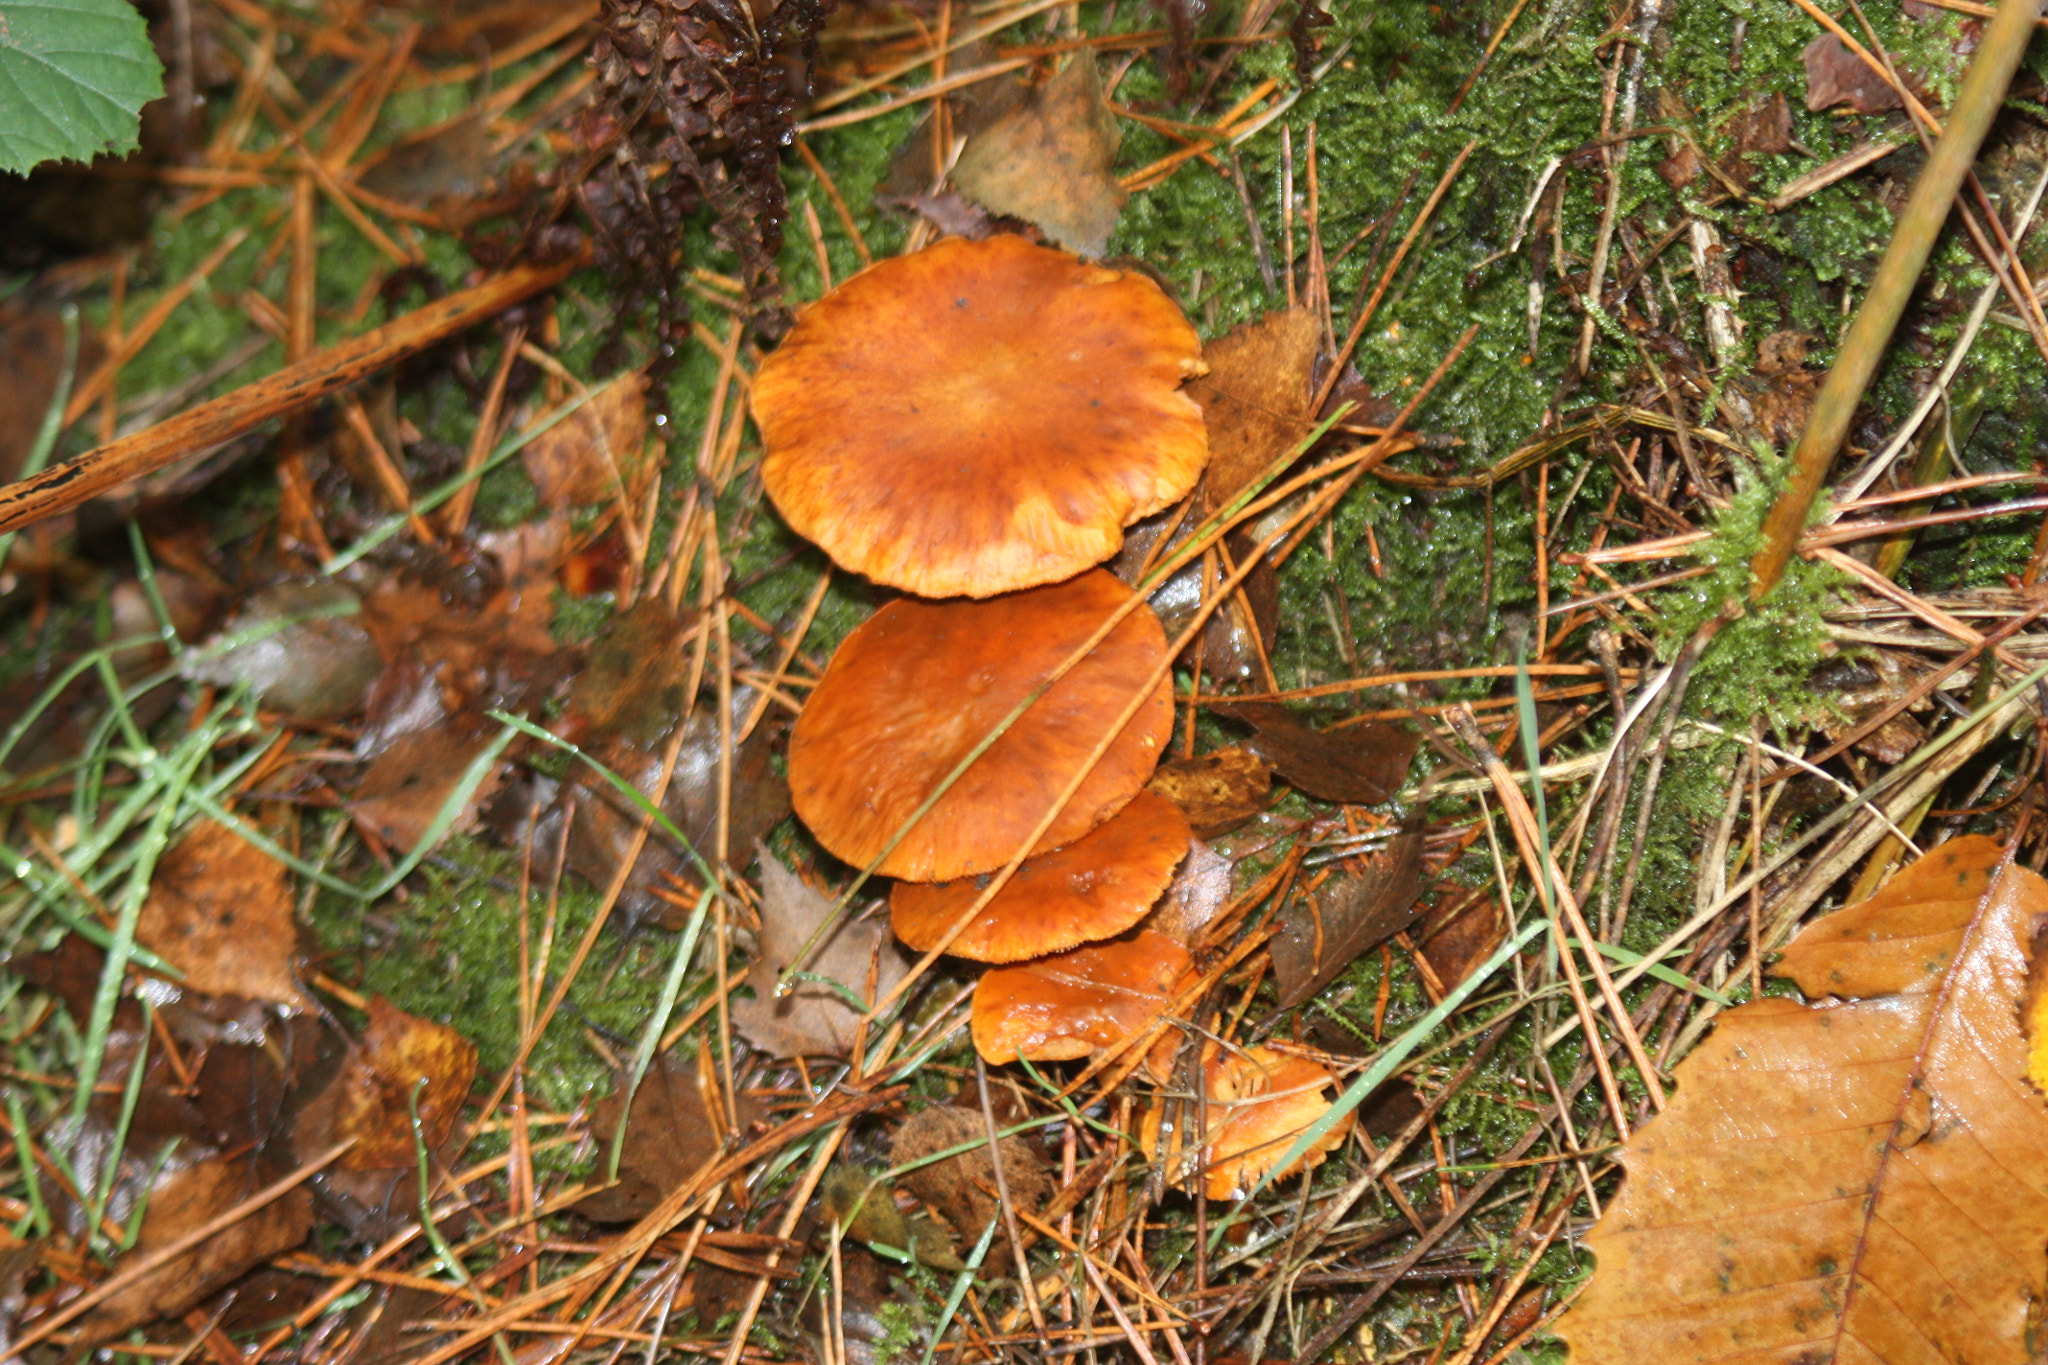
<point x="670" y="1135"/>
<point x="597" y="451"/>
<point x="401" y="1061"/>
<point x="813" y="1019"/>
<point x="1862" y="1179"/>
<point x="1835" y="75"/>
<point x="1217" y="791"/>
<point x="180" y="1202"/>
<point x="1322" y="932"/>
<point x="1255" y="398"/>
<point x="1354" y="764"/>
<point x="1046" y="159"/>
<point x="220" y="911"/>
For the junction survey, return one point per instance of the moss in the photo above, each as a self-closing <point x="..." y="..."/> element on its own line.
<point x="450" y="951"/>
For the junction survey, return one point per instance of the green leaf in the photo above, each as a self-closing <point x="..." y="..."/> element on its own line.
<point x="74" y="75"/>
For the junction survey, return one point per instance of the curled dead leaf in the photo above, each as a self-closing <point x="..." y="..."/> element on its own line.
<point x="1867" y="1168"/>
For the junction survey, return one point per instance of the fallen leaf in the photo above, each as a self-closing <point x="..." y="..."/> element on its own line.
<point x="220" y="911"/>
<point x="1255" y="398"/>
<point x="1217" y="791"/>
<point x="412" y="778"/>
<point x="1200" y="889"/>
<point x="1321" y="933"/>
<point x="1241" y="630"/>
<point x="670" y="1135"/>
<point x="1835" y="75"/>
<point x="597" y="452"/>
<point x="1046" y="159"/>
<point x="401" y="1065"/>
<point x="1765" y="128"/>
<point x="961" y="1189"/>
<point x="452" y="161"/>
<point x="181" y="1201"/>
<point x="1461" y="943"/>
<point x="814" y="1019"/>
<point x="864" y="1206"/>
<point x="1353" y="765"/>
<point x="1861" y="1177"/>
<point x="319" y="667"/>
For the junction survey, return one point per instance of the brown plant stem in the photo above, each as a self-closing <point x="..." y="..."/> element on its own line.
<point x="2005" y="41"/>
<point x="63" y="487"/>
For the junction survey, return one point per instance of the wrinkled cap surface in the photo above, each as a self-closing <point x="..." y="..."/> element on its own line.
<point x="1073" y="1004"/>
<point x="980" y="416"/>
<point x="1094" y="888"/>
<point x="919" y="685"/>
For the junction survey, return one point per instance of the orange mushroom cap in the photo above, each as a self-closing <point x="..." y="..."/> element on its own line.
<point x="980" y="416"/>
<point x="917" y="686"/>
<point x="1260" y="1101"/>
<point x="1054" y="1009"/>
<point x="1094" y="888"/>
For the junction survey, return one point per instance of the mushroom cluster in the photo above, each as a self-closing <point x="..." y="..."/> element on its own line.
<point x="976" y="424"/>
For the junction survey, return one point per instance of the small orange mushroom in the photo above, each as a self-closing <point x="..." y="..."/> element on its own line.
<point x="980" y="416"/>
<point x="1073" y="1004"/>
<point x="919" y="685"/>
<point x="1094" y="888"/>
<point x="1260" y="1101"/>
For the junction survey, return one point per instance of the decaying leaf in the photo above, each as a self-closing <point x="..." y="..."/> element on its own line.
<point x="1201" y="888"/>
<point x="1863" y="1178"/>
<point x="1255" y="398"/>
<point x="596" y="452"/>
<point x="814" y="1019"/>
<point x="670" y="1135"/>
<point x="1454" y="947"/>
<point x="961" y="1188"/>
<point x="1835" y="75"/>
<point x="220" y="911"/>
<point x="180" y="1202"/>
<point x="1355" y="764"/>
<point x="318" y="667"/>
<point x="1321" y="933"/>
<point x="864" y="1206"/>
<point x="402" y="1065"/>
<point x="1046" y="159"/>
<point x="1217" y="791"/>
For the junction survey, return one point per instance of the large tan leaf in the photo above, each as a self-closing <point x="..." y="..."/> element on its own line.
<point x="1858" y="1181"/>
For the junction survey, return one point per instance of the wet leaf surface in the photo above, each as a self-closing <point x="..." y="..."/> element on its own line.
<point x="814" y="1018"/>
<point x="220" y="911"/>
<point x="1837" y="76"/>
<point x="1322" y="932"/>
<point x="184" y="1199"/>
<point x="597" y="452"/>
<point x="302" y="653"/>
<point x="1863" y="1169"/>
<point x="1046" y="159"/>
<point x="1255" y="398"/>
<point x="401" y="1066"/>
<point x="1219" y="790"/>
<point x="1355" y="764"/>
<point x="1201" y="889"/>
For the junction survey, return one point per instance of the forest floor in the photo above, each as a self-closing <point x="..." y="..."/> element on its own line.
<point x="394" y="772"/>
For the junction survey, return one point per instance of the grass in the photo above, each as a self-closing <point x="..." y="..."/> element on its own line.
<point x="1654" y="806"/>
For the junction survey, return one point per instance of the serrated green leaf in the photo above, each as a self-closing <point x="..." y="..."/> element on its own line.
<point x="74" y="75"/>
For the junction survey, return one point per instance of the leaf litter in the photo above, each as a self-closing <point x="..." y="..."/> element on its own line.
<point x="1690" y="843"/>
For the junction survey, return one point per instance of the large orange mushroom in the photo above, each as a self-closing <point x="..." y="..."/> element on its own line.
<point x="980" y="416"/>
<point x="918" y="686"/>
<point x="1094" y="888"/>
<point x="1074" y="1004"/>
<point x="1261" y="1100"/>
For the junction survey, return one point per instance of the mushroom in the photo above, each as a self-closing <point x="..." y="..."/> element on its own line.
<point x="1260" y="1101"/>
<point x="917" y="687"/>
<point x="1094" y="888"/>
<point x="982" y="416"/>
<point x="1072" y="1004"/>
